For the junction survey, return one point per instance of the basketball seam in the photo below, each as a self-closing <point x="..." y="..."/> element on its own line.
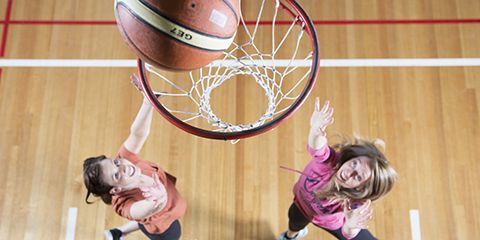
<point x="179" y="24"/>
<point x="161" y="32"/>
<point x="143" y="53"/>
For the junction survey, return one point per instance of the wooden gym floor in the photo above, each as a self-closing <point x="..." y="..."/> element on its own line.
<point x="53" y="118"/>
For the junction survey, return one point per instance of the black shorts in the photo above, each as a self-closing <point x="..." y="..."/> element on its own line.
<point x="172" y="233"/>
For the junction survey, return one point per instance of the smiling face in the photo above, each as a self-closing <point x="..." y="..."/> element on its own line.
<point x="354" y="172"/>
<point x="121" y="174"/>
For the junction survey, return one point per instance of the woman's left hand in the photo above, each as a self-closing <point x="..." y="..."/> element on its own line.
<point x="156" y="193"/>
<point x="358" y="218"/>
<point x="321" y="118"/>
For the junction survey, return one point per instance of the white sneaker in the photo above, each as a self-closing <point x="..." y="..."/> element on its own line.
<point x="300" y="235"/>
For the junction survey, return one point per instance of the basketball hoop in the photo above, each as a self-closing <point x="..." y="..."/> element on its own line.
<point x="285" y="68"/>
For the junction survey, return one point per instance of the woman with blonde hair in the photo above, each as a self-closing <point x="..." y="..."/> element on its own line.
<point x="337" y="186"/>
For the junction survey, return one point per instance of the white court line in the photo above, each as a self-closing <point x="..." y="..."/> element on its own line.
<point x="71" y="222"/>
<point x="67" y="63"/>
<point x="415" y="224"/>
<point x="364" y="62"/>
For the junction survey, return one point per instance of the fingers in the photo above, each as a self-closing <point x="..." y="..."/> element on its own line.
<point x="327" y="111"/>
<point x="325" y="107"/>
<point x="147" y="194"/>
<point x="367" y="203"/>
<point x="156" y="179"/>
<point x="360" y="216"/>
<point x="363" y="223"/>
<point x="134" y="78"/>
<point x="136" y="82"/>
<point x="323" y="117"/>
<point x="160" y="205"/>
<point x="365" y="215"/>
<point x="155" y="199"/>
<point x="361" y="219"/>
<point x="360" y="209"/>
<point x="162" y="201"/>
<point x="328" y="119"/>
<point x="330" y="112"/>
<point x="158" y="197"/>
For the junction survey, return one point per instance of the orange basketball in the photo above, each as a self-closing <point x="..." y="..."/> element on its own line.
<point x="178" y="34"/>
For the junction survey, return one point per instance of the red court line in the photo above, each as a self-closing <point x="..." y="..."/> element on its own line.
<point x="3" y="43"/>
<point x="316" y="22"/>
<point x="376" y="22"/>
<point x="400" y="21"/>
<point x="6" y="22"/>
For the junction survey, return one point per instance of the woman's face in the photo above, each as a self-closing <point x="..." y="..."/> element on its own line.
<point x="121" y="174"/>
<point x="354" y="172"/>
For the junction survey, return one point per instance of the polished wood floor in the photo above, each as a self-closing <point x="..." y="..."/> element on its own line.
<point x="53" y="118"/>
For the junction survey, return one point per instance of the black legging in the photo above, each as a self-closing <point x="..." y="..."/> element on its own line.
<point x="297" y="221"/>
<point x="172" y="233"/>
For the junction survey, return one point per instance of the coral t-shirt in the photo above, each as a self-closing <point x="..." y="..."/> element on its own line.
<point x="160" y="221"/>
<point x="315" y="175"/>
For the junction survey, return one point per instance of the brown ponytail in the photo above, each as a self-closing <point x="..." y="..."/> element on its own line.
<point x="92" y="178"/>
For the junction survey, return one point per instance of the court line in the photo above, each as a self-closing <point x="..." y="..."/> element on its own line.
<point x="60" y="22"/>
<point x="316" y="22"/>
<point x="6" y="23"/>
<point x="71" y="223"/>
<point x="3" y="41"/>
<point x="365" y="62"/>
<point x="415" y="224"/>
<point x="395" y="21"/>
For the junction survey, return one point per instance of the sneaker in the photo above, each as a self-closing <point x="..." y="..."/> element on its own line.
<point x="300" y="235"/>
<point x="113" y="234"/>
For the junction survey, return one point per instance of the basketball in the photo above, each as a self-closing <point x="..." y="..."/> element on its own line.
<point x="178" y="35"/>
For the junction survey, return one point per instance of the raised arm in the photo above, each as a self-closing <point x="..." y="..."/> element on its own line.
<point x="318" y="123"/>
<point x="140" y="127"/>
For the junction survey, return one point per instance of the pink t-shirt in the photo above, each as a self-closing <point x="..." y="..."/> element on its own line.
<point x="316" y="174"/>
<point x="160" y="221"/>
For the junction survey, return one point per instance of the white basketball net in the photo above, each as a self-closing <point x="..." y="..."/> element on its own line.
<point x="268" y="66"/>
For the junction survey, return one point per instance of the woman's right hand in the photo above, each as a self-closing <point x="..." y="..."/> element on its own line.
<point x="135" y="80"/>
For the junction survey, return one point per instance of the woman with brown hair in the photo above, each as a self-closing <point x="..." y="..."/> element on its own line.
<point x="138" y="190"/>
<point x="337" y="186"/>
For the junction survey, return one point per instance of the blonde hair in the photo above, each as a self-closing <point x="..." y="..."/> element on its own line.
<point x="380" y="183"/>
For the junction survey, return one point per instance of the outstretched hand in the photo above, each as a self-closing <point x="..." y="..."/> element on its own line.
<point x="156" y="193"/>
<point x="321" y="118"/>
<point x="136" y="82"/>
<point x="358" y="218"/>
